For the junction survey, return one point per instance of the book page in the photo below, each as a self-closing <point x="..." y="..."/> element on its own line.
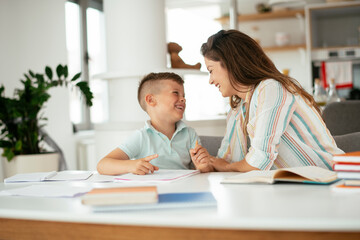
<point x="251" y="177"/>
<point x="312" y="173"/>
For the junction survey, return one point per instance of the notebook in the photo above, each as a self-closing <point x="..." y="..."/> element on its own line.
<point x="167" y="200"/>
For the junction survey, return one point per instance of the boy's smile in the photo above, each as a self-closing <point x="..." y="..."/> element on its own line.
<point x="171" y="102"/>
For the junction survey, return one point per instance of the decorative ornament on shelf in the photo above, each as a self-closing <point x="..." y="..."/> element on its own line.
<point x="263" y="8"/>
<point x="175" y="59"/>
<point x="281" y="5"/>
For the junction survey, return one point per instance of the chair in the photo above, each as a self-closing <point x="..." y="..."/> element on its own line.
<point x="348" y="142"/>
<point x="211" y="143"/>
<point x="342" y="117"/>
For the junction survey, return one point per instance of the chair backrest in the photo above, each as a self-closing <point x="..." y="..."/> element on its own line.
<point x="348" y="142"/>
<point x="211" y="143"/>
<point x="342" y="117"/>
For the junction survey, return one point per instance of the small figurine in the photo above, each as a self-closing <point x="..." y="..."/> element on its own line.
<point x="175" y="59"/>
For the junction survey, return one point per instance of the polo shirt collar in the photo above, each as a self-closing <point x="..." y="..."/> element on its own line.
<point x="179" y="126"/>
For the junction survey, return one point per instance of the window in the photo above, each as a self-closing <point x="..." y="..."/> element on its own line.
<point x="86" y="53"/>
<point x="203" y="100"/>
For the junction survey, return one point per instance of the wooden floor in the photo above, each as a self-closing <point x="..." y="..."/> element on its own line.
<point x="29" y="229"/>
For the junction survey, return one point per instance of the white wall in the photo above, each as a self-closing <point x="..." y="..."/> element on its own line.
<point x="32" y="35"/>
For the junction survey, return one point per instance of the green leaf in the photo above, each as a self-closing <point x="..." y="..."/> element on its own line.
<point x="48" y="72"/>
<point x="31" y="73"/>
<point x="76" y="76"/>
<point x="59" y="70"/>
<point x="40" y="77"/>
<point x="5" y="144"/>
<point x="27" y="77"/>
<point x="66" y="71"/>
<point x="18" y="145"/>
<point x="9" y="154"/>
<point x="85" y="90"/>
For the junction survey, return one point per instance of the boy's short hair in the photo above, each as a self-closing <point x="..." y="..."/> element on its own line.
<point x="149" y="84"/>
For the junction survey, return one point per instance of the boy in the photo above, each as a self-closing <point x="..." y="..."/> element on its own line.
<point x="165" y="140"/>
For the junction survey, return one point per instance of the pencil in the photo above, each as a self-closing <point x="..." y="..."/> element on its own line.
<point x="196" y="143"/>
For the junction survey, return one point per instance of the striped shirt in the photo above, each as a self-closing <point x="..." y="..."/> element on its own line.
<point x="284" y="131"/>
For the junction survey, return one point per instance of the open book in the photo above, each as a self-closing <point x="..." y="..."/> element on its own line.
<point x="308" y="174"/>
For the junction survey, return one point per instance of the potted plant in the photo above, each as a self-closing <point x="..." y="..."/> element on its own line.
<point x="21" y="117"/>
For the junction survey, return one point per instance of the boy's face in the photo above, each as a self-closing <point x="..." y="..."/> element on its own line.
<point x="170" y="101"/>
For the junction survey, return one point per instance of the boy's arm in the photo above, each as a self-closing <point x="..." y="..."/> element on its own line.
<point x="118" y="162"/>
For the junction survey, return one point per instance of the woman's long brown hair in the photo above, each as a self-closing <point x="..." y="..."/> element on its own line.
<point x="248" y="65"/>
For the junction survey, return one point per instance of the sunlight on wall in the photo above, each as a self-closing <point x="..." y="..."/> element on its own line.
<point x="190" y="28"/>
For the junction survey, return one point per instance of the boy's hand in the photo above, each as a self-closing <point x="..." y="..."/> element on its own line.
<point x="199" y="154"/>
<point x="143" y="166"/>
<point x="201" y="159"/>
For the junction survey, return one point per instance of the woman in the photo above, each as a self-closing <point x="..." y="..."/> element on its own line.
<point x="281" y="120"/>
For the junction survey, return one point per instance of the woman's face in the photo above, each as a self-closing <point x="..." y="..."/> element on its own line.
<point x="219" y="76"/>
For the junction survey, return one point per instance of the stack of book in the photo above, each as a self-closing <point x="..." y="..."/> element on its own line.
<point x="347" y="165"/>
<point x="347" y="186"/>
<point x="121" y="195"/>
<point x="142" y="198"/>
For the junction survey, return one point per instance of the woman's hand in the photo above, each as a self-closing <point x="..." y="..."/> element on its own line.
<point x="220" y="164"/>
<point x="142" y="166"/>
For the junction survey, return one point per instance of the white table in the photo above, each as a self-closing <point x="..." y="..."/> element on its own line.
<point x="289" y="211"/>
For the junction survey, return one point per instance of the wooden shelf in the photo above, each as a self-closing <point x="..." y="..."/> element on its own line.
<point x="284" y="48"/>
<point x="335" y="48"/>
<point x="265" y="16"/>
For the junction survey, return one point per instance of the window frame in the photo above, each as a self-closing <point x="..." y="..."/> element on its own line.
<point x="86" y="123"/>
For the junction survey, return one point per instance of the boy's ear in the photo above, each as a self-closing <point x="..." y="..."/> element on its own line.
<point x="150" y="100"/>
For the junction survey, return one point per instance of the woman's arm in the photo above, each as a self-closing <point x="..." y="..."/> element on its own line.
<point x="221" y="165"/>
<point x="272" y="106"/>
<point x="117" y="162"/>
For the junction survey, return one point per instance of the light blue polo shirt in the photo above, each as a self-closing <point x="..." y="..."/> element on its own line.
<point x="173" y="154"/>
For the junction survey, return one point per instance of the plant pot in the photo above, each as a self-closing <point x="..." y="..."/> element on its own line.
<point x="45" y="162"/>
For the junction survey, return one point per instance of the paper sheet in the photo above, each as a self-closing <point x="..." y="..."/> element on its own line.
<point x="71" y="175"/>
<point x="96" y="177"/>
<point x="46" y="191"/>
<point x="49" y="176"/>
<point x="157" y="176"/>
<point x="30" y="177"/>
